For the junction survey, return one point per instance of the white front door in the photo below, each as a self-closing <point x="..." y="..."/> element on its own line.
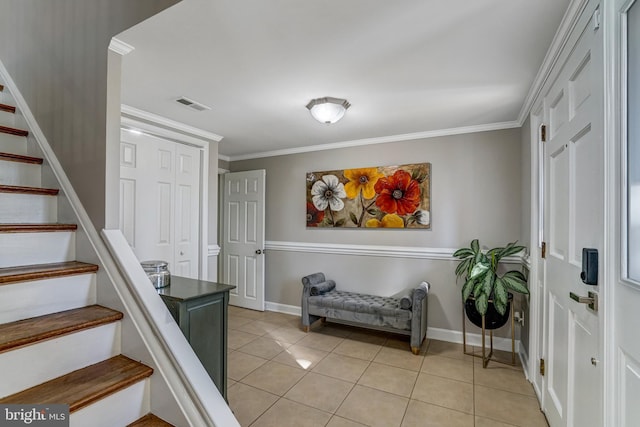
<point x="159" y="201"/>
<point x="243" y="237"/>
<point x="574" y="219"/>
<point x="624" y="199"/>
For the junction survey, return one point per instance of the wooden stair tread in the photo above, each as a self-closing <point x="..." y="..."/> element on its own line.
<point x="7" y="108"/>
<point x="29" y="331"/>
<point x="36" y="228"/>
<point x="13" y="131"/>
<point x="150" y="420"/>
<point x="29" y="190"/>
<point x="44" y="271"/>
<point x="9" y="157"/>
<point x="85" y="386"/>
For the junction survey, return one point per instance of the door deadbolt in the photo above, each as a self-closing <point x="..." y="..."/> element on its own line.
<point x="591" y="300"/>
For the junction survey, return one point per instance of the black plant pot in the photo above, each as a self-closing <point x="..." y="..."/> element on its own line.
<point x="493" y="319"/>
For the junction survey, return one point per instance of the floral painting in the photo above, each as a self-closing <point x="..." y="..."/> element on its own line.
<point x="375" y="197"/>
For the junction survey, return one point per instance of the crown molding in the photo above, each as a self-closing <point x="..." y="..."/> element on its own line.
<point x="145" y="117"/>
<point x="379" y="140"/>
<point x="120" y="47"/>
<point x="568" y="23"/>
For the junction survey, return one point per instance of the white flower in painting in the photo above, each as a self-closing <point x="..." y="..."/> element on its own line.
<point x="328" y="192"/>
<point x="422" y="217"/>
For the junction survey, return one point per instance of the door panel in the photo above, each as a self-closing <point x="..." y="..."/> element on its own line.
<point x="574" y="219"/>
<point x="243" y="242"/>
<point x="187" y="212"/>
<point x="624" y="197"/>
<point x="160" y="201"/>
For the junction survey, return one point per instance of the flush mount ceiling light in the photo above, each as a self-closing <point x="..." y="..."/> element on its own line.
<point x="328" y="110"/>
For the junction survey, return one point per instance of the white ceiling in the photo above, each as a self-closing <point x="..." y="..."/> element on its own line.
<point x="407" y="67"/>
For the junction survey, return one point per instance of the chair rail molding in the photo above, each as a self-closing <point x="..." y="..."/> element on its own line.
<point x="414" y="252"/>
<point x="213" y="250"/>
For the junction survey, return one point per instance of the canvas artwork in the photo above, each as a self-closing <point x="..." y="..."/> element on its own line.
<point x="374" y="197"/>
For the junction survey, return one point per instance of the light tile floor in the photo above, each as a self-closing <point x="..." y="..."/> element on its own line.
<point x="340" y="376"/>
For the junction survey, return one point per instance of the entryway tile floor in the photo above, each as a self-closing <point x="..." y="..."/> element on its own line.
<point x="341" y="376"/>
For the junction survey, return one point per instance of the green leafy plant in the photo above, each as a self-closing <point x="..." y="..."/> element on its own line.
<point x="481" y="280"/>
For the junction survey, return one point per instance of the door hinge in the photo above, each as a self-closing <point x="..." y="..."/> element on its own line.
<point x="543" y="133"/>
<point x="542" y="367"/>
<point x="544" y="250"/>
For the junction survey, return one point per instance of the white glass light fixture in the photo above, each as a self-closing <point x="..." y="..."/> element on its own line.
<point x="328" y="110"/>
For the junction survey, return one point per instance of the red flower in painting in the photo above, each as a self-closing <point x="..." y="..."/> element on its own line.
<point x="314" y="216"/>
<point x="398" y="193"/>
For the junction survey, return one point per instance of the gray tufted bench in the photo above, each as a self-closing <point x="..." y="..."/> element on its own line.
<point x="404" y="313"/>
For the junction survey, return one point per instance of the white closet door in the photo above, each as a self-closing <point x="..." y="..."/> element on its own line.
<point x="187" y="190"/>
<point x="159" y="201"/>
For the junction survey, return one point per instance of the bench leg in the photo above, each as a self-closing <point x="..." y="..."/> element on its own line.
<point x="415" y="350"/>
<point x="323" y="320"/>
<point x="305" y="328"/>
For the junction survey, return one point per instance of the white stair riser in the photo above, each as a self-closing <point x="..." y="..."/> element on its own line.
<point x="46" y="360"/>
<point x="18" y="249"/>
<point x="39" y="297"/>
<point x="7" y="118"/>
<point x="28" y="208"/>
<point x="118" y="409"/>
<point x="22" y="174"/>
<point x="6" y="97"/>
<point x="13" y="144"/>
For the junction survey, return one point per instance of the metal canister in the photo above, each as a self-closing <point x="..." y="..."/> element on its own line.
<point x="158" y="273"/>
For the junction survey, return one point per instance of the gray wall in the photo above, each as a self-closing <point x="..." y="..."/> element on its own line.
<point x="475" y="192"/>
<point x="56" y="52"/>
<point x="525" y="220"/>
<point x="525" y="187"/>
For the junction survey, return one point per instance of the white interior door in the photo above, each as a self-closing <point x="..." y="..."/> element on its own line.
<point x="187" y="211"/>
<point x="159" y="201"/>
<point x="243" y="237"/>
<point x="574" y="219"/>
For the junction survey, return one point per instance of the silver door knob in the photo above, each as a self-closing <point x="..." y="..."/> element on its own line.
<point x="258" y="251"/>
<point x="594" y="361"/>
<point x="181" y="253"/>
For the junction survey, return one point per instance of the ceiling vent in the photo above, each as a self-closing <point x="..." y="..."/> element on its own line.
<point x="192" y="104"/>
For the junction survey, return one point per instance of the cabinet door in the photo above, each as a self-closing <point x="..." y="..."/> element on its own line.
<point x="205" y="328"/>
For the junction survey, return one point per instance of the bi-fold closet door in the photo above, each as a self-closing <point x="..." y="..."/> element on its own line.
<point x="160" y="200"/>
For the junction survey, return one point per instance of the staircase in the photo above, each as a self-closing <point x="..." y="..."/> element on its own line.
<point x="56" y="344"/>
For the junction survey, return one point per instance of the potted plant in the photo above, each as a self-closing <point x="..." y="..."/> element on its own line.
<point x="484" y="292"/>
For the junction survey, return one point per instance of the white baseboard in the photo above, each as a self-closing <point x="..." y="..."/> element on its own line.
<point x="432" y="333"/>
<point x="283" y="308"/>
<point x="449" y="335"/>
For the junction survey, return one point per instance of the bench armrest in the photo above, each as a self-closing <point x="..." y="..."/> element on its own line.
<point x="419" y="315"/>
<point x="322" y="287"/>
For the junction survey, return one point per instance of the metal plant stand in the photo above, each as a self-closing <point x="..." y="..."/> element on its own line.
<point x="487" y="357"/>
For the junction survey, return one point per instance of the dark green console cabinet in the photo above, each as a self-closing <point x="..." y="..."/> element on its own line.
<point x="200" y="309"/>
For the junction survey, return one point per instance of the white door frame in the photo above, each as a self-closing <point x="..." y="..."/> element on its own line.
<point x="619" y="288"/>
<point x="133" y="118"/>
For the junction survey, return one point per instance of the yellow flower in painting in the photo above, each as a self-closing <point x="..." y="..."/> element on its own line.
<point x="361" y="179"/>
<point x="388" y="221"/>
